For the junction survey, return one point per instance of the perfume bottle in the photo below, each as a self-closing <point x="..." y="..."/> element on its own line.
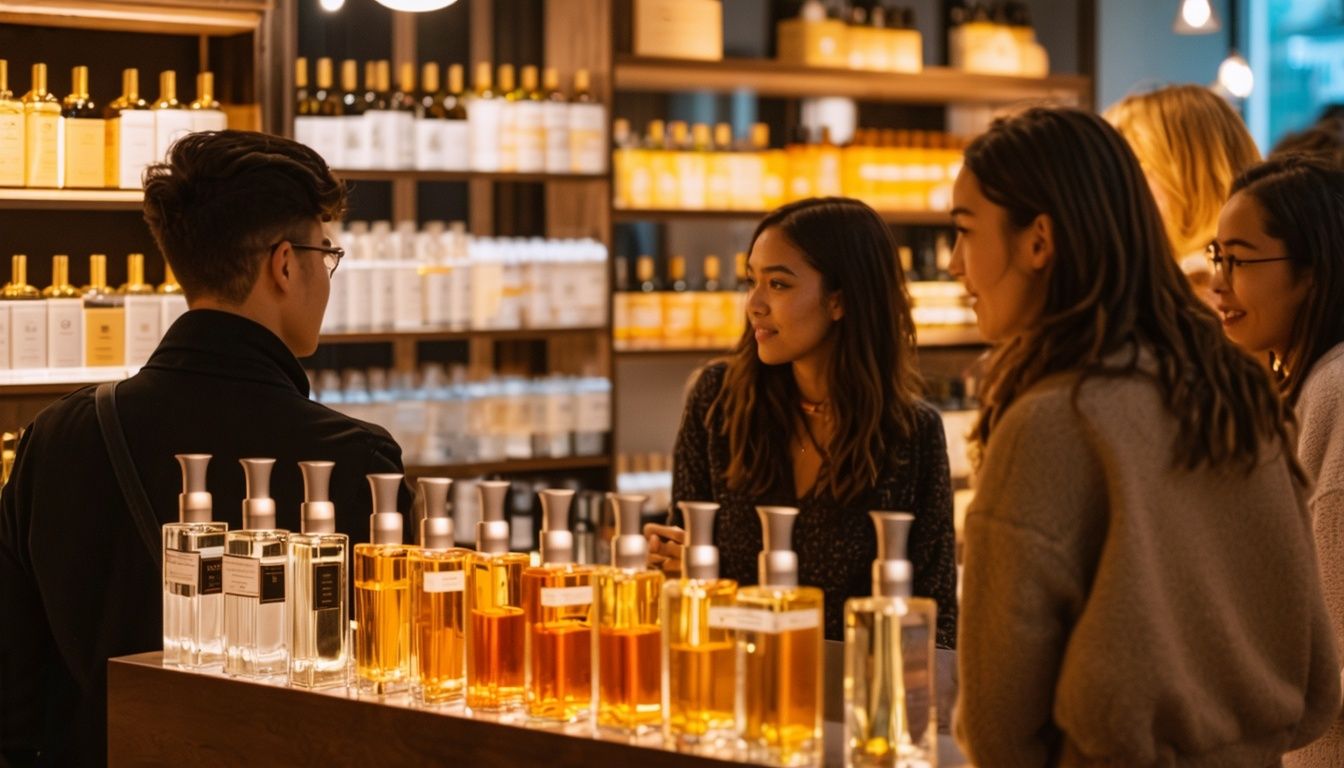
<point x="438" y="601"/>
<point x="627" y="653"/>
<point x="496" y="641"/>
<point x="699" y="657"/>
<point x="558" y="598"/>
<point x="382" y="634"/>
<point x="193" y="599"/>
<point x="779" y="634"/>
<point x="319" y="651"/>
<point x="889" y="703"/>
<point x="254" y="583"/>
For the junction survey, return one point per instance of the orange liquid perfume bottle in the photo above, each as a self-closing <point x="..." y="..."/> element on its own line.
<point x="496" y="626"/>
<point x="382" y="636"/>
<point x="558" y="600"/>
<point x="627" y="653"/>
<point x="438" y="579"/>
<point x="699" y="658"/>
<point x="779" y="634"/>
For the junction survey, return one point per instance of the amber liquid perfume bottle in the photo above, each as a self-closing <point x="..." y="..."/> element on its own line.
<point x="779" y="646"/>
<point x="42" y="133"/>
<point x="627" y="653"/>
<point x="699" y="658"/>
<point x="558" y="598"/>
<point x="11" y="133"/>
<point x="193" y="590"/>
<point x="496" y="626"/>
<point x="382" y="629"/>
<point x="255" y="560"/>
<point x="319" y="652"/>
<point x="438" y="602"/>
<point x="890" y="717"/>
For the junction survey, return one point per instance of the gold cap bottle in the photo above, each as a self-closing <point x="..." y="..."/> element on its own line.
<point x="5" y="93"/>
<point x="429" y="77"/>
<point x="168" y="91"/>
<point x="301" y="74"/>
<point x="18" y="287"/>
<point x="483" y="73"/>
<point x="456" y="79"/>
<point x="205" y="92"/>
<point x="135" y="277"/>
<point x="97" y="274"/>
<point x="324" y="73"/>
<point x="506" y="79"/>
<point x="170" y="284"/>
<point x="60" y="287"/>
<point x="550" y="82"/>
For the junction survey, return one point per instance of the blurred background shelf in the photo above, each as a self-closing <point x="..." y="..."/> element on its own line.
<point x="910" y="218"/>
<point x="514" y="467"/>
<point x="414" y="175"/>
<point x="71" y="199"/>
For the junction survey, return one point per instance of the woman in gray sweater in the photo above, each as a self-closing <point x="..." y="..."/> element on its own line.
<point x="1279" y="277"/>
<point x="1140" y="585"/>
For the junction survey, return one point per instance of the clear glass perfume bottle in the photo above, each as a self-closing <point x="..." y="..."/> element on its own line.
<point x="779" y="634"/>
<point x="193" y="599"/>
<point x="319" y="650"/>
<point x="382" y="634"/>
<point x="255" y="560"/>
<point x="558" y="601"/>
<point x="699" y="657"/>
<point x="890" y="717"/>
<point x="438" y="601"/>
<point x="627" y="653"/>
<point x="496" y="626"/>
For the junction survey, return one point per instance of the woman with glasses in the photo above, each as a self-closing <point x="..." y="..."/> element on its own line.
<point x="1140" y="586"/>
<point x="1279" y="278"/>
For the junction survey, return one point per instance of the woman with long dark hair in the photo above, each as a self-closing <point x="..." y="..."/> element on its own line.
<point x="1278" y="264"/>
<point x="1140" y="585"/>
<point x="818" y="407"/>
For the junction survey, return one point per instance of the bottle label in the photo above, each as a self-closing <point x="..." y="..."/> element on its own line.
<point x="757" y="620"/>
<point x="143" y="315"/>
<point x="11" y="150"/>
<point x="249" y="577"/>
<point x="28" y="329"/>
<point x="326" y="586"/>
<point x="562" y="597"/>
<point x="65" y="333"/>
<point x="445" y="581"/>
<point x="211" y="575"/>
<point x="182" y="569"/>
<point x="455" y="138"/>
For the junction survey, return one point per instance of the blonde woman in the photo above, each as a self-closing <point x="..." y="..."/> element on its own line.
<point x="1191" y="146"/>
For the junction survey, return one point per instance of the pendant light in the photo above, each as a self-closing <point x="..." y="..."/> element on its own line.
<point x="1235" y="77"/>
<point x="416" y="6"/>
<point x="1195" y="17"/>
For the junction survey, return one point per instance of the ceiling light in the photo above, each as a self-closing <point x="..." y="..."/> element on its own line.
<point x="1195" y="17"/>
<point x="1235" y="76"/>
<point x="416" y="6"/>
<point x="332" y="6"/>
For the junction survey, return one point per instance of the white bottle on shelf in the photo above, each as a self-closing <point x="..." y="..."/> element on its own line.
<point x="381" y="284"/>
<point x="555" y="123"/>
<point x="407" y="293"/>
<point x="357" y="294"/>
<point x="483" y="121"/>
<point x="587" y="129"/>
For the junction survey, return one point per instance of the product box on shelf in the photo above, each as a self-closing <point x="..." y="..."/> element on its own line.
<point x="679" y="29"/>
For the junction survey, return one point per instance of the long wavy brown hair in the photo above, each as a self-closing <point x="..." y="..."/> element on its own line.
<point x="872" y="377"/>
<point x="1114" y="286"/>
<point x="1303" y="201"/>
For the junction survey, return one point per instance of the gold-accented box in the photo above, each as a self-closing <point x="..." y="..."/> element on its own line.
<point x="679" y="29"/>
<point x="823" y="43"/>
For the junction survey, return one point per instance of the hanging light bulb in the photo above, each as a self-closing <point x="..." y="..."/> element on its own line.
<point x="1195" y="17"/>
<point x="331" y="6"/>
<point x="416" y="6"/>
<point x="1235" y="76"/>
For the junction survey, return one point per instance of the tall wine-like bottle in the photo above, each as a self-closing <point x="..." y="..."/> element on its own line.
<point x="438" y="601"/>
<point x="558" y="600"/>
<point x="319" y="652"/>
<point x="627" y="653"/>
<point x="699" y="656"/>
<point x="382" y="633"/>
<point x="496" y="626"/>
<point x="890" y="718"/>
<point x="193" y="591"/>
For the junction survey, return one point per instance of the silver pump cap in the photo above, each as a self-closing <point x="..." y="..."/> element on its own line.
<point x="778" y="563"/>
<point x="194" y="504"/>
<point x="318" y="514"/>
<point x="258" y="506"/>
<point x="492" y="532"/>
<point x="385" y="526"/>
<point x="436" y="527"/>
<point x="629" y="549"/>
<point x="893" y="574"/>
<point x="557" y="543"/>
<point x="701" y="556"/>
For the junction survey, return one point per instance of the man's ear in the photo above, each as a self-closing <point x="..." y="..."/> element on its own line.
<point x="282" y="266"/>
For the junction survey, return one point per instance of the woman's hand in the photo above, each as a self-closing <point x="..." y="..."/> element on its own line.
<point x="665" y="546"/>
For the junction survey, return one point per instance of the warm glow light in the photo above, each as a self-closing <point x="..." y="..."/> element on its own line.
<point x="1196" y="12"/>
<point x="416" y="6"/>
<point x="1235" y="76"/>
<point x="332" y="6"/>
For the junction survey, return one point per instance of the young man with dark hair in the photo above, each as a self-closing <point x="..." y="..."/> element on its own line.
<point x="239" y="216"/>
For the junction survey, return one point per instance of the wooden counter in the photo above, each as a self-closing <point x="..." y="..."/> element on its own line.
<point x="159" y="716"/>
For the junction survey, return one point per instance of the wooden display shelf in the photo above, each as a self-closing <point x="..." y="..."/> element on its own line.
<point x="514" y="467"/>
<point x="443" y="334"/>
<point x="767" y="77"/>
<point x="71" y="199"/>
<point x="57" y="381"/>
<point x="413" y="175"/>
<point x="173" y="17"/>
<point x="908" y="218"/>
<point x="926" y="338"/>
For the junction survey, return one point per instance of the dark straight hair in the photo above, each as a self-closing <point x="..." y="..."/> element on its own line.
<point x="873" y="379"/>
<point x="1114" y="286"/>
<point x="1303" y="201"/>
